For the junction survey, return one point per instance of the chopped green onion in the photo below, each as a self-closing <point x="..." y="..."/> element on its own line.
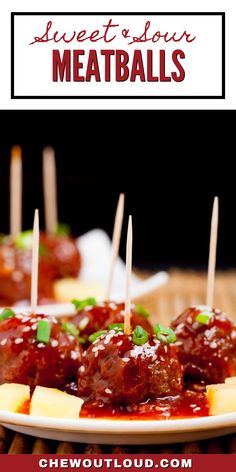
<point x="140" y="335"/>
<point x="63" y="229"/>
<point x="7" y="313"/>
<point x="204" y="317"/>
<point x="70" y="328"/>
<point x="166" y="335"/>
<point x="24" y="240"/>
<point x="142" y="311"/>
<point x="116" y="326"/>
<point x="96" y="335"/>
<point x="80" y="304"/>
<point x="43" y="331"/>
<point x="81" y="340"/>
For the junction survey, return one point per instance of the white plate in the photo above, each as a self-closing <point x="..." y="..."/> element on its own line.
<point x="97" y="431"/>
<point x="95" y="249"/>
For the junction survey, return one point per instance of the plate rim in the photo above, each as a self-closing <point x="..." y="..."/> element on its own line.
<point x="111" y="426"/>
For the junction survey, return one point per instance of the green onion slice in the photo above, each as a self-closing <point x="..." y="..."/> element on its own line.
<point x="63" y="229"/>
<point x="43" y="331"/>
<point x="116" y="326"/>
<point x="140" y="336"/>
<point x="7" y="313"/>
<point x="142" y="311"/>
<point x="70" y="328"/>
<point x="204" y="317"/>
<point x="164" y="334"/>
<point x="93" y="337"/>
<point x="81" y="340"/>
<point x="24" y="240"/>
<point x="80" y="304"/>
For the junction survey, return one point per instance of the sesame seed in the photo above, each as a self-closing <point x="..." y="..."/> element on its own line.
<point x="17" y="276"/>
<point x="41" y="345"/>
<point x="19" y="340"/>
<point x="3" y="342"/>
<point x="213" y="345"/>
<point x="197" y="408"/>
<point x="82" y="368"/>
<point x="120" y="343"/>
<point x="26" y="328"/>
<point x="54" y="343"/>
<point x="125" y="359"/>
<point x="112" y="306"/>
<point x="74" y="355"/>
<point x="34" y="326"/>
<point x="19" y="317"/>
<point x="108" y="390"/>
<point x="83" y="323"/>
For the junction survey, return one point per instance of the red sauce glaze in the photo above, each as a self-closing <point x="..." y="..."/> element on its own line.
<point x="188" y="404"/>
<point x="63" y="254"/>
<point x="24" y="408"/>
<point x="207" y="351"/>
<point x="99" y="317"/>
<point x="25" y="360"/>
<point x="116" y="370"/>
<point x="59" y="258"/>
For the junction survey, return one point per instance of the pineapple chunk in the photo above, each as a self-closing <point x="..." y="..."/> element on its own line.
<point x="222" y="398"/>
<point x="55" y="404"/>
<point x="67" y="289"/>
<point x="230" y="380"/>
<point x="13" y="396"/>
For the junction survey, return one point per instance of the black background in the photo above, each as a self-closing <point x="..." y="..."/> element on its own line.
<point x="170" y="164"/>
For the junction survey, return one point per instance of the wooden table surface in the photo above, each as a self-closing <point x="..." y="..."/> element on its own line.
<point x="184" y="288"/>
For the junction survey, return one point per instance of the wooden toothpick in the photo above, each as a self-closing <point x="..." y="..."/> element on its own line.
<point x="212" y="254"/>
<point x="16" y="191"/>
<point x="115" y="241"/>
<point x="35" y="263"/>
<point x="50" y="190"/>
<point x="129" y="246"/>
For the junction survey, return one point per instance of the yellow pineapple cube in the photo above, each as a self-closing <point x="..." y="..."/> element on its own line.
<point x="13" y="396"/>
<point x="67" y="289"/>
<point x="222" y="398"/>
<point x="55" y="404"/>
<point x="230" y="380"/>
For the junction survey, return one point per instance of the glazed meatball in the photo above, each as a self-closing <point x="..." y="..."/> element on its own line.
<point x="116" y="370"/>
<point x="15" y="274"/>
<point x="207" y="344"/>
<point x="99" y="317"/>
<point x="63" y="254"/>
<point x="58" y="257"/>
<point x="25" y="360"/>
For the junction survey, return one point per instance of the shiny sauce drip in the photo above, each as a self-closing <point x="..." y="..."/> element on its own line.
<point x="188" y="404"/>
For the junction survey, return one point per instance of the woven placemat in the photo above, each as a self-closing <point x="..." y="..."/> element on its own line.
<point x="185" y="288"/>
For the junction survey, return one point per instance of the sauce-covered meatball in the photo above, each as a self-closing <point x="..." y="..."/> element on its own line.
<point x="27" y="357"/>
<point x="114" y="369"/>
<point x="58" y="257"/>
<point x="99" y="316"/>
<point x="207" y="344"/>
<point x="63" y="254"/>
<point x="15" y="274"/>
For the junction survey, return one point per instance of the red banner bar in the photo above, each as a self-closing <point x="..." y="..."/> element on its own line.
<point x="121" y="462"/>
